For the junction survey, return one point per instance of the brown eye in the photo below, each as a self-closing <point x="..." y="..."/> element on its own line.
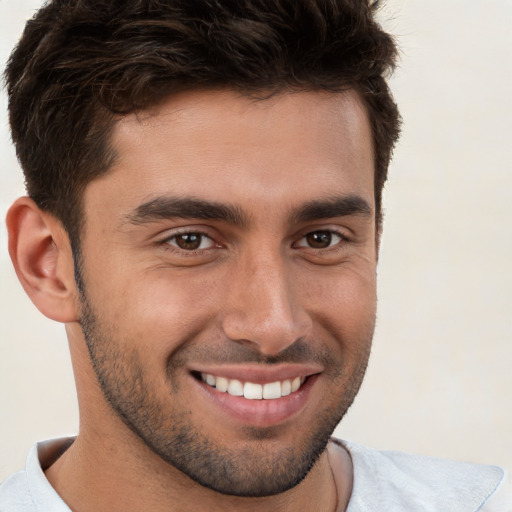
<point x="191" y="241"/>
<point x="319" y="239"/>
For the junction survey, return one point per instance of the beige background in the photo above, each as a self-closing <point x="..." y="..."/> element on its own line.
<point x="440" y="378"/>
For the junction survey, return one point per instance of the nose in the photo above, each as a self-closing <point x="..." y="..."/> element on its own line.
<point x="264" y="306"/>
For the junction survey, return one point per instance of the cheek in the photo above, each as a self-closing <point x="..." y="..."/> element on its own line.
<point x="155" y="309"/>
<point x="160" y="309"/>
<point x="344" y="302"/>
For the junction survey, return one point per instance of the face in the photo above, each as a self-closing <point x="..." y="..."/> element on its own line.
<point x="228" y="274"/>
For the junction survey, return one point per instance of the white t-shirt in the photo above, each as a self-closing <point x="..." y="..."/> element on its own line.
<point x="383" y="482"/>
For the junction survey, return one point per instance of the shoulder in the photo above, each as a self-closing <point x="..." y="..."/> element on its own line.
<point x="29" y="490"/>
<point x="395" y="481"/>
<point x="15" y="495"/>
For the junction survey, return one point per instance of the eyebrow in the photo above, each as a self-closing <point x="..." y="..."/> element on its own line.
<point x="185" y="208"/>
<point x="190" y="208"/>
<point x="339" y="206"/>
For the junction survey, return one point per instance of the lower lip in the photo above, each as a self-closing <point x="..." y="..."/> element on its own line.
<point x="260" y="413"/>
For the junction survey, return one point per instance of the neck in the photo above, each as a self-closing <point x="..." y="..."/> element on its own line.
<point x="97" y="473"/>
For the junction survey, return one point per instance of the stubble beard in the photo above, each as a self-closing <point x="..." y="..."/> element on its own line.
<point x="248" y="470"/>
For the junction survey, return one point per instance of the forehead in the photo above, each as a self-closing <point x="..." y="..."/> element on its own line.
<point x="221" y="146"/>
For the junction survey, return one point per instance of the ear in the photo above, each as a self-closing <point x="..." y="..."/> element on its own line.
<point x="41" y="254"/>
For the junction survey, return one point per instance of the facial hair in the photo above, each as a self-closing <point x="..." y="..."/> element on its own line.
<point x="249" y="469"/>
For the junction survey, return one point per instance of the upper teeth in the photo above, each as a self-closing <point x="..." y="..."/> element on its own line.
<point x="251" y="390"/>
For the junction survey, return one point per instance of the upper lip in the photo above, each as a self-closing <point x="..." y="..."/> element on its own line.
<point x="260" y="374"/>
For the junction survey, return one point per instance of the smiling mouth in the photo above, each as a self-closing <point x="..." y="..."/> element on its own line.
<point x="252" y="390"/>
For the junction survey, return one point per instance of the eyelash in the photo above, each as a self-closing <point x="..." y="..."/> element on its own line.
<point x="331" y="232"/>
<point x="167" y="245"/>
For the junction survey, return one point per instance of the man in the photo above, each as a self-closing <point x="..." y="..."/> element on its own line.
<point x="204" y="214"/>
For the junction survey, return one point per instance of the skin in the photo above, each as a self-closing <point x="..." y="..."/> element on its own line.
<point x="276" y="290"/>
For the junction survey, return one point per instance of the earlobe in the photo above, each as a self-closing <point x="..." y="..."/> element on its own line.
<point x="42" y="257"/>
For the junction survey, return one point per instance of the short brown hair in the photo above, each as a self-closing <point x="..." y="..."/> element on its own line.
<point x="82" y="63"/>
